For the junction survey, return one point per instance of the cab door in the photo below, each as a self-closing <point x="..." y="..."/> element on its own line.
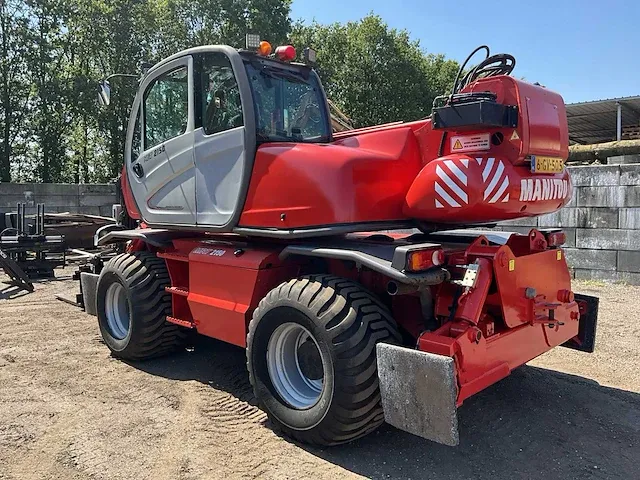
<point x="219" y="140"/>
<point x="159" y="153"/>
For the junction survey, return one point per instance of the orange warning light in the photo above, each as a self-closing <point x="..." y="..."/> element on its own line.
<point x="264" y="49"/>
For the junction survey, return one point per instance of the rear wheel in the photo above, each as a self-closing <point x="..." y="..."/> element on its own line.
<point x="311" y="355"/>
<point x="132" y="307"/>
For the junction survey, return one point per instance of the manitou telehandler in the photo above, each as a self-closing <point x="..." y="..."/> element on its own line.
<point x="258" y="226"/>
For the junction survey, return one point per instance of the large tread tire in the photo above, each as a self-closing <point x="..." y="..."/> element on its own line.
<point x="144" y="277"/>
<point x="346" y="321"/>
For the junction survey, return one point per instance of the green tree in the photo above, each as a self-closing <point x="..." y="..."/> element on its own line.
<point x="52" y="98"/>
<point x="108" y="37"/>
<point x="187" y="23"/>
<point x="14" y="83"/>
<point x="374" y="73"/>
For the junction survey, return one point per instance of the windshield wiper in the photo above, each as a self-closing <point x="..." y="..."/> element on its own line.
<point x="264" y="137"/>
<point x="269" y="137"/>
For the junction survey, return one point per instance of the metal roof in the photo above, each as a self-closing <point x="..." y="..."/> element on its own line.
<point x="595" y="122"/>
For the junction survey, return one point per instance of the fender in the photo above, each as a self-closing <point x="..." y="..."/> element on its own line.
<point x="388" y="260"/>
<point x="156" y="237"/>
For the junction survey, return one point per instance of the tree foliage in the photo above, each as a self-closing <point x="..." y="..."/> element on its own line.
<point x="374" y="73"/>
<point x="54" y="52"/>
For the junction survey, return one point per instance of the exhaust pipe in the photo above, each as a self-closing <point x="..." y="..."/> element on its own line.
<point x="433" y="276"/>
<point x="395" y="288"/>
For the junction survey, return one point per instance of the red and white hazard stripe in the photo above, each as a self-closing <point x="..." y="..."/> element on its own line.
<point x="495" y="179"/>
<point x="451" y="185"/>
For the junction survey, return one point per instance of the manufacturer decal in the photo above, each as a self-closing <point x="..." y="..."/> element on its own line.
<point x="153" y="153"/>
<point x="534" y="189"/>
<point x="213" y="252"/>
<point x="470" y="143"/>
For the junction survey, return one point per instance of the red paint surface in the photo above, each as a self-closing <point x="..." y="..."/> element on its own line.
<point x="222" y="284"/>
<point x="355" y="179"/>
<point x="129" y="202"/>
<point x="389" y="172"/>
<point x="521" y="330"/>
<point x="422" y="196"/>
<point x="217" y="284"/>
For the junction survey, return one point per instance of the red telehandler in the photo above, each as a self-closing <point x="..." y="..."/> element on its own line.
<point x="259" y="226"/>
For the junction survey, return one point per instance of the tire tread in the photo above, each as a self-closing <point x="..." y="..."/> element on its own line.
<point x="356" y="321"/>
<point x="146" y="277"/>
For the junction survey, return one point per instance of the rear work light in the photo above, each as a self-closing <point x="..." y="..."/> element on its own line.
<point x="309" y="56"/>
<point x="286" y="53"/>
<point x="556" y="239"/>
<point x="420" y="260"/>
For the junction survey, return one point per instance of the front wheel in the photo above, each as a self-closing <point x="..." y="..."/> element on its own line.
<point x="132" y="307"/>
<point x="311" y="356"/>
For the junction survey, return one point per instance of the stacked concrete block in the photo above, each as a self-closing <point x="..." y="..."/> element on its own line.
<point x="87" y="199"/>
<point x="602" y="223"/>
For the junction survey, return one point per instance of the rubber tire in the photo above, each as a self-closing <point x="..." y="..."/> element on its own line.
<point x="144" y="277"/>
<point x="347" y="322"/>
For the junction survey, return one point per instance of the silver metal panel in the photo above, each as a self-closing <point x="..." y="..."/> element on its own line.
<point x="89" y="283"/>
<point x="165" y="194"/>
<point x="419" y="392"/>
<point x="220" y="163"/>
<point x="249" y="132"/>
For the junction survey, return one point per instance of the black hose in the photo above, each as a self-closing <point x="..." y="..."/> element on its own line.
<point x="492" y="65"/>
<point x="456" y="88"/>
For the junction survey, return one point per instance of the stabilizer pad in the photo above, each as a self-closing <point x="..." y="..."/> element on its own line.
<point x="419" y="392"/>
<point x="89" y="286"/>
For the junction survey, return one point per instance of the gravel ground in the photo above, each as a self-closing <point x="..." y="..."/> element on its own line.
<point x="70" y="411"/>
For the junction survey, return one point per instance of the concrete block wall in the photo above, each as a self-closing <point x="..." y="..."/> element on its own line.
<point x="602" y="223"/>
<point x="87" y="199"/>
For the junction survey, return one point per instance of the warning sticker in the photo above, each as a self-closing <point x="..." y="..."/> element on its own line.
<point x="470" y="143"/>
<point x="515" y="136"/>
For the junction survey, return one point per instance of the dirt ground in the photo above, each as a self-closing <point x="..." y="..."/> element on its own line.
<point x="70" y="411"/>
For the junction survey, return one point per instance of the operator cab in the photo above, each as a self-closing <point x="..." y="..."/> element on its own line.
<point x="197" y="120"/>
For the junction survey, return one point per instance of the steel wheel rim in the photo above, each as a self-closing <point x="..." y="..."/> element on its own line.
<point x="117" y="311"/>
<point x="283" y="365"/>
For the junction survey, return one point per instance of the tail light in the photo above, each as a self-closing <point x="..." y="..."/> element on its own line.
<point x="420" y="260"/>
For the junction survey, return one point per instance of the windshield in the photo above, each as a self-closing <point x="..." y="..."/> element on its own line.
<point x="288" y="106"/>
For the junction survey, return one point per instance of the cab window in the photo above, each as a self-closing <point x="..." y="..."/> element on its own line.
<point x="166" y="107"/>
<point x="289" y="105"/>
<point x="136" y="141"/>
<point x="220" y="105"/>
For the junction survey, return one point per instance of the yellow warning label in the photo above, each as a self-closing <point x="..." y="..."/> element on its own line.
<point x="512" y="265"/>
<point x="515" y="136"/>
<point x="457" y="145"/>
<point x="559" y="255"/>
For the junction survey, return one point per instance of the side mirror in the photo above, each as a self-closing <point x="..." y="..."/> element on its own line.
<point x="104" y="95"/>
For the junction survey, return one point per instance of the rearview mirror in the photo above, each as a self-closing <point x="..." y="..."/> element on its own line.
<point x="104" y="95"/>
